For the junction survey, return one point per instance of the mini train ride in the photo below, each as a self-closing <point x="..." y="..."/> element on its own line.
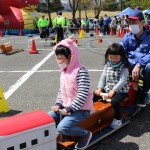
<point x="37" y="130"/>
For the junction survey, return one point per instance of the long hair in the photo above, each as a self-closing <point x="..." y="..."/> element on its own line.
<point x="62" y="50"/>
<point x="117" y="49"/>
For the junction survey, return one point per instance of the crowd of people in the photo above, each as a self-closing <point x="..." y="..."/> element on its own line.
<point x="104" y="24"/>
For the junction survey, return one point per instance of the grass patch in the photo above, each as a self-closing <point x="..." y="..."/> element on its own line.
<point x="90" y="14"/>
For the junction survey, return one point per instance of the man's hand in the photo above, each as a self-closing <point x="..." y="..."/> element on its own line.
<point x="135" y="73"/>
<point x="55" y="108"/>
<point x="111" y="93"/>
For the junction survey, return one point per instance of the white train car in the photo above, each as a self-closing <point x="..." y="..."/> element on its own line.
<point x="30" y="131"/>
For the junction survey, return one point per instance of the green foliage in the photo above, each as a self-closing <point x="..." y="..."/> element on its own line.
<point x="144" y="4"/>
<point x="109" y="5"/>
<point x="50" y="6"/>
<point x="85" y="5"/>
<point x="57" y="5"/>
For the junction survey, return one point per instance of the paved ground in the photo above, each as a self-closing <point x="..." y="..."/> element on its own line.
<point x="31" y="82"/>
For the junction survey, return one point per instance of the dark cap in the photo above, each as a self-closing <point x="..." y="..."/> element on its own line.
<point x="136" y="15"/>
<point x="59" y="13"/>
<point x="138" y="7"/>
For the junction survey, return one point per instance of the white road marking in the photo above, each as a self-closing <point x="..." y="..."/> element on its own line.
<point x="26" y="76"/>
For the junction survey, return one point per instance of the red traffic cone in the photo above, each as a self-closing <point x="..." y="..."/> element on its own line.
<point x="75" y="40"/>
<point x="128" y="30"/>
<point x="123" y="33"/>
<point x="99" y="40"/>
<point x="20" y="33"/>
<point x="1" y="33"/>
<point x="111" y="31"/>
<point x="119" y="33"/>
<point x="33" y="48"/>
<point x="96" y="31"/>
<point x="79" y="29"/>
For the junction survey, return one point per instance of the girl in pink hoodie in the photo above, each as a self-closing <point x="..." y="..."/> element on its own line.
<point x="74" y="96"/>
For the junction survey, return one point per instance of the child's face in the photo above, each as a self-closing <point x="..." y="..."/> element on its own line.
<point x="114" y="58"/>
<point x="62" y="59"/>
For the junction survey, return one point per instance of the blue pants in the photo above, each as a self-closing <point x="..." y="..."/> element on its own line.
<point x="147" y="78"/>
<point x="67" y="126"/>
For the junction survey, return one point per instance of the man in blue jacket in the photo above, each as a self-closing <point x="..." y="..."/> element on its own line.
<point x="106" y="22"/>
<point x="137" y="46"/>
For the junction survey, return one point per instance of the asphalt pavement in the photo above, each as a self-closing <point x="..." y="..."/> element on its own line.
<point x="31" y="82"/>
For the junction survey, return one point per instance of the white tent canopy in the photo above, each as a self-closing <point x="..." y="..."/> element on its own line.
<point x="125" y="12"/>
<point x="146" y="11"/>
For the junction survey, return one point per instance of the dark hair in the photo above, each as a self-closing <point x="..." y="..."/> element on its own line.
<point x="117" y="49"/>
<point x="62" y="50"/>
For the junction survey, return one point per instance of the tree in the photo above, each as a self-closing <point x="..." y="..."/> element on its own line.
<point x="49" y="6"/>
<point x="57" y="5"/>
<point x="74" y="4"/>
<point x="144" y="4"/>
<point x="97" y="7"/>
<point x="110" y="5"/>
<point x="84" y="5"/>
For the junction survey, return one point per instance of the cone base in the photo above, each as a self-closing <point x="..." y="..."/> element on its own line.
<point x="33" y="52"/>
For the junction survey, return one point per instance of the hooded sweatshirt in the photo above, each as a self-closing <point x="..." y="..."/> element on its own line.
<point x="75" y="92"/>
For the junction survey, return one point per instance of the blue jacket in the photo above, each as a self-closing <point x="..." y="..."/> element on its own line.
<point x="106" y="20"/>
<point x="138" y="51"/>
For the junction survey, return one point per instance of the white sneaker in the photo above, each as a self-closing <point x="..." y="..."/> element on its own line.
<point x="108" y="100"/>
<point x="116" y="124"/>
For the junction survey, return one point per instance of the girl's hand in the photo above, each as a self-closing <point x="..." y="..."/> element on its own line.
<point x="64" y="112"/>
<point x="55" y="108"/>
<point x="98" y="91"/>
<point x="111" y="93"/>
<point x="104" y="95"/>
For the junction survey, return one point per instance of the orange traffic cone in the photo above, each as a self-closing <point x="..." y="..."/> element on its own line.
<point x="128" y="30"/>
<point x="96" y="31"/>
<point x="75" y="40"/>
<point x="119" y="33"/>
<point x="99" y="40"/>
<point x="111" y="31"/>
<point x="123" y="33"/>
<point x="79" y="29"/>
<point x="33" y="48"/>
<point x="20" y="33"/>
<point x="1" y="33"/>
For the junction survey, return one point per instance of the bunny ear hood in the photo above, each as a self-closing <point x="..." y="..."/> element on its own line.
<point x="75" y="54"/>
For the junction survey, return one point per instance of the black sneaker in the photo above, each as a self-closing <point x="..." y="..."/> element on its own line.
<point x="141" y="99"/>
<point x="84" y="141"/>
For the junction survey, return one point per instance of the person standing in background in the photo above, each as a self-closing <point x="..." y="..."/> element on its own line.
<point x="58" y="24"/>
<point x="42" y="25"/>
<point x="106" y="22"/>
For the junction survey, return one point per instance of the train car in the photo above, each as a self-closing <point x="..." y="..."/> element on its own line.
<point x="30" y="131"/>
<point x="37" y="130"/>
<point x="100" y="118"/>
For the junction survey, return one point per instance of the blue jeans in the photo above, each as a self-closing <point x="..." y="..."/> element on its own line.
<point x="147" y="78"/>
<point x="67" y="126"/>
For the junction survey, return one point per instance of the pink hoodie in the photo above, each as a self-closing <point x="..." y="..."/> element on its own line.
<point x="68" y="82"/>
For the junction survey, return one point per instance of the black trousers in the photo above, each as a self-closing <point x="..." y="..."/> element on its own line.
<point x="115" y="101"/>
<point x="106" y="29"/>
<point x="44" y="32"/>
<point x="60" y="33"/>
